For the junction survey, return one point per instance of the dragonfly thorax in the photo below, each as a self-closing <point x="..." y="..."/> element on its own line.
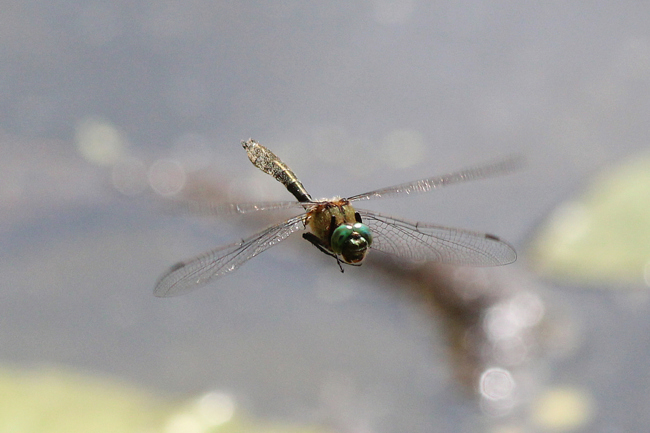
<point x="335" y="224"/>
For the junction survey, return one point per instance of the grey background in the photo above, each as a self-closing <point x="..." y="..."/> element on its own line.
<point x="325" y="85"/>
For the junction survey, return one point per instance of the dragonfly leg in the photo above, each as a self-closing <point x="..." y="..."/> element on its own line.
<point x="329" y="236"/>
<point x="338" y="262"/>
<point x="313" y="239"/>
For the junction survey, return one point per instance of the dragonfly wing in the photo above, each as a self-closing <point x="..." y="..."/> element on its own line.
<point x="200" y="208"/>
<point x="428" y="242"/>
<point x="426" y="185"/>
<point x="193" y="273"/>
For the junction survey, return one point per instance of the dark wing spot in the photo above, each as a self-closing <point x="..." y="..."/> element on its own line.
<point x="177" y="266"/>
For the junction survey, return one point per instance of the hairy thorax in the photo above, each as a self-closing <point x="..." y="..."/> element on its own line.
<point x="327" y="215"/>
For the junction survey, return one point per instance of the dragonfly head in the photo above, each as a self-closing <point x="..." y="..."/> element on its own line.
<point x="351" y="241"/>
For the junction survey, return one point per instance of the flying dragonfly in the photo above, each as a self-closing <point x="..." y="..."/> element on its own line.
<point x="339" y="230"/>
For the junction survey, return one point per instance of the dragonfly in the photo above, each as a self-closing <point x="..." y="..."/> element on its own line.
<point x="340" y="230"/>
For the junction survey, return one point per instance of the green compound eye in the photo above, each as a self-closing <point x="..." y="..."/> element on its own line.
<point x="351" y="241"/>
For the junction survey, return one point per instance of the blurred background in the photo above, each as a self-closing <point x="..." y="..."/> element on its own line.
<point x="108" y="109"/>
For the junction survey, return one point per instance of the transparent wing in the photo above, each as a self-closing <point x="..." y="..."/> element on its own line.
<point x="426" y="185"/>
<point x="193" y="273"/>
<point x="428" y="242"/>
<point x="202" y="208"/>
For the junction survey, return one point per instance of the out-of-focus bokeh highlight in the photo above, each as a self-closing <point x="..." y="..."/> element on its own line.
<point x="52" y="400"/>
<point x="602" y="235"/>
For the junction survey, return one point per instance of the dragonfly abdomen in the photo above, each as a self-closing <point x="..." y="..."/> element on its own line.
<point x="269" y="163"/>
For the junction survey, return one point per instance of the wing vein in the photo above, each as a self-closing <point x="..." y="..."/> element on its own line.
<point x="195" y="272"/>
